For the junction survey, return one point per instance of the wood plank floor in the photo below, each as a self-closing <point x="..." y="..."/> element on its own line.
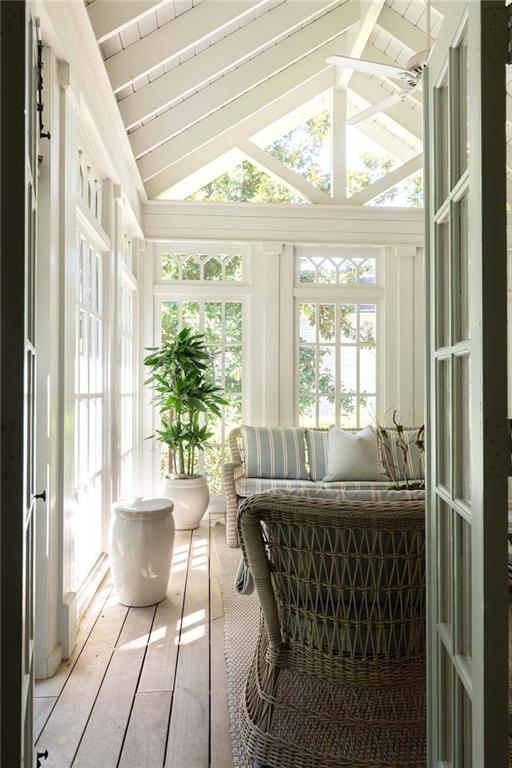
<point x="145" y="687"/>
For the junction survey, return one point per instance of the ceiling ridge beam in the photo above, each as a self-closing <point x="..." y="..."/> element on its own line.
<point x="193" y="73"/>
<point x="205" y="154"/>
<point x="387" y="182"/>
<point x="109" y="17"/>
<point x="245" y="78"/>
<point x="282" y="173"/>
<point x="173" y="38"/>
<point x="402" y="30"/>
<point x="239" y="111"/>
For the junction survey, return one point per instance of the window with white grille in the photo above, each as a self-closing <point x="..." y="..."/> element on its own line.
<point x="222" y="323"/>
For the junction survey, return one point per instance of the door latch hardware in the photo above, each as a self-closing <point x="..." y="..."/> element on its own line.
<point x="40" y="757"/>
<point x="41" y="496"/>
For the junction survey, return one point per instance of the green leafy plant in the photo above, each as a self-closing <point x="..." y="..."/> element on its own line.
<point x="186" y="395"/>
<point x="398" y="470"/>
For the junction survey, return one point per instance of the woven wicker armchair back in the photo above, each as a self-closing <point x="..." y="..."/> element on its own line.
<point x="341" y="584"/>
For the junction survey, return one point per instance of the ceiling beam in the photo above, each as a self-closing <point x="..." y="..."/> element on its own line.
<point x="370" y="12"/>
<point x="282" y="173"/>
<point x="386" y="182"/>
<point x="402" y="30"/>
<point x="213" y="61"/>
<point x="238" y="111"/>
<point x="204" y="154"/>
<point x="109" y="17"/>
<point x="173" y="38"/>
<point x="244" y="78"/>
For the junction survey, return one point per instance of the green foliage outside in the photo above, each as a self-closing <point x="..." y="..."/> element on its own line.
<point x="185" y="394"/>
<point x="326" y="374"/>
<point x="300" y="150"/>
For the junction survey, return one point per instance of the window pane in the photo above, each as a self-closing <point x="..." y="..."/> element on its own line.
<point x="348" y="322"/>
<point x="307" y="322"/>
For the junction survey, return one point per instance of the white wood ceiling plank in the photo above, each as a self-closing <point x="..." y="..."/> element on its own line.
<point x="182" y="6"/>
<point x="130" y="35"/>
<point x="397" y="26"/>
<point x="217" y="58"/>
<point x="111" y="46"/>
<point x="205" y="152"/>
<point x="374" y="54"/>
<point x="414" y="11"/>
<point x="243" y="79"/>
<point x="148" y="24"/>
<point x="109" y="17"/>
<point x="388" y="181"/>
<point x="173" y="38"/>
<point x="165" y="13"/>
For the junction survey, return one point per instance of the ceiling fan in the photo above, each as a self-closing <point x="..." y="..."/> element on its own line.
<point x="410" y="76"/>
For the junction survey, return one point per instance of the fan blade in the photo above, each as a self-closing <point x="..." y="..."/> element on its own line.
<point x="371" y="67"/>
<point x="381" y="106"/>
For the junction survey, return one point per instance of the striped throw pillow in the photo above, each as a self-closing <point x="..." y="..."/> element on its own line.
<point x="392" y="458"/>
<point x="275" y="453"/>
<point x="318" y="452"/>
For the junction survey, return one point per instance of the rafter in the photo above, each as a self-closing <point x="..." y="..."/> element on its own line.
<point x="243" y="79"/>
<point x="238" y="111"/>
<point x="282" y="173"/>
<point x="205" y="154"/>
<point x="213" y="61"/>
<point x="173" y="38"/>
<point x="109" y="17"/>
<point x="370" y="13"/>
<point x="387" y="182"/>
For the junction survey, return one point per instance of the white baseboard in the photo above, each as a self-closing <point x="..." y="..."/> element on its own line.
<point x="75" y="604"/>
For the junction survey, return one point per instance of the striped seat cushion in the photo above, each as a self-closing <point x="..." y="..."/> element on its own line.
<point x="392" y="459"/>
<point x="318" y="451"/>
<point x="275" y="453"/>
<point x="248" y="486"/>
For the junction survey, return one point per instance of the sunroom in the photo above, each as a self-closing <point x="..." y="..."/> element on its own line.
<point x="254" y="344"/>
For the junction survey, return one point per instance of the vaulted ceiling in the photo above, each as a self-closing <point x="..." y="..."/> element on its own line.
<point x="196" y="79"/>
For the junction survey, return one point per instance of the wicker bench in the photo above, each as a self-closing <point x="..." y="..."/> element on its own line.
<point x="338" y="677"/>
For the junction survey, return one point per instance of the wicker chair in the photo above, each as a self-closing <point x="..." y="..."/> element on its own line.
<point x="338" y="677"/>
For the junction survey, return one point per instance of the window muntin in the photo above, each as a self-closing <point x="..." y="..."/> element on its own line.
<point x="222" y="322"/>
<point x="88" y="389"/>
<point x="336" y="363"/>
<point x="336" y="270"/>
<point x="206" y="264"/>
<point x="127" y="392"/>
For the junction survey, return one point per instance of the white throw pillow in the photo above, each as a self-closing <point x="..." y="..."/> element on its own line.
<point x="353" y="456"/>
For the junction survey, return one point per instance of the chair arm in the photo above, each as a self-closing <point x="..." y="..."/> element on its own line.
<point x="231" y="504"/>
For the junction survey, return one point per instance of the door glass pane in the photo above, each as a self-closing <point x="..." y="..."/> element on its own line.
<point x="445" y="710"/>
<point x="465" y="732"/>
<point x="461" y="270"/>
<point x="445" y="565"/>
<point x="463" y="390"/>
<point x="464" y="585"/>
<point x="443" y="423"/>
<point x="443" y="283"/>
<point x="461" y="72"/>
<point x="441" y="116"/>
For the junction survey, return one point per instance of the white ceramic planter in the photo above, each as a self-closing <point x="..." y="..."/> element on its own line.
<point x="190" y="497"/>
<point x="141" y="547"/>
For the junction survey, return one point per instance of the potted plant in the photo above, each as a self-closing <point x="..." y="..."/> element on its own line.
<point x="398" y="462"/>
<point x="186" y="396"/>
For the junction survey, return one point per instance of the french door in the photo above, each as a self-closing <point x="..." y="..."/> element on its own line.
<point x="19" y="144"/>
<point x="468" y="444"/>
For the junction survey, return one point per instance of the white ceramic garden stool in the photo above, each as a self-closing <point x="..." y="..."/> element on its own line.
<point x="141" y="547"/>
